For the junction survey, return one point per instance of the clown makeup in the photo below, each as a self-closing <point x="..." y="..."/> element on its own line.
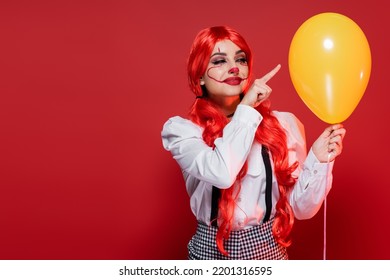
<point x="227" y="71"/>
<point x="220" y="61"/>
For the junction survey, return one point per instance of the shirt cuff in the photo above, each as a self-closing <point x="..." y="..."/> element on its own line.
<point x="248" y="115"/>
<point x="317" y="167"/>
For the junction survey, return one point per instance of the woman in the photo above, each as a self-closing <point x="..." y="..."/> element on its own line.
<point x="246" y="168"/>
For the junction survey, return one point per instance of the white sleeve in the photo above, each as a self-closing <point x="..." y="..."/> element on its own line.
<point x="218" y="166"/>
<point x="314" y="179"/>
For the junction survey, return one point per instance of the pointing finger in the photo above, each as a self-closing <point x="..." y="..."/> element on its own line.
<point x="270" y="74"/>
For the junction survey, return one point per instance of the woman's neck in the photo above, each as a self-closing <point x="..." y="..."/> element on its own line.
<point x="228" y="105"/>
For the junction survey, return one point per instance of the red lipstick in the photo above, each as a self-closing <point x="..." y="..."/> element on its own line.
<point x="233" y="81"/>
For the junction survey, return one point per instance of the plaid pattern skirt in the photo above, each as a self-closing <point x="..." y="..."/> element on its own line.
<point x="255" y="243"/>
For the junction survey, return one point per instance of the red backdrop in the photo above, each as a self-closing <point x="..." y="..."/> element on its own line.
<point x="85" y="87"/>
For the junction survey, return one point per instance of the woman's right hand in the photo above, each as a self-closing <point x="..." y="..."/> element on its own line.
<point x="259" y="90"/>
<point x="330" y="143"/>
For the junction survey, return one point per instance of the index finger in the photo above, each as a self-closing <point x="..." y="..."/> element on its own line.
<point x="270" y="74"/>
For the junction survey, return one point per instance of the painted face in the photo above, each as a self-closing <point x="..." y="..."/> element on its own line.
<point x="227" y="71"/>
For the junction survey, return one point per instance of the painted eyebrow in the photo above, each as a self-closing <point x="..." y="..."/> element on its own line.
<point x="224" y="54"/>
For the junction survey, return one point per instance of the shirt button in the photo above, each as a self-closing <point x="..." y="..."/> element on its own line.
<point x="315" y="171"/>
<point x="239" y="199"/>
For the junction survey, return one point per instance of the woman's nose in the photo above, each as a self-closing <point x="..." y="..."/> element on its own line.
<point x="233" y="70"/>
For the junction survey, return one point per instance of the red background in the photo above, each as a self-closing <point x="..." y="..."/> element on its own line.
<point x="85" y="87"/>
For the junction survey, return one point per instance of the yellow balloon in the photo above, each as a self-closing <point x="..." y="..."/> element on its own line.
<point x="330" y="65"/>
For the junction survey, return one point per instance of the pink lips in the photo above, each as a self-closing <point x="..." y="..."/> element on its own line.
<point x="233" y="81"/>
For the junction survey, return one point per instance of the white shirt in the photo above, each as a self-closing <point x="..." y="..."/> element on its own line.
<point x="204" y="167"/>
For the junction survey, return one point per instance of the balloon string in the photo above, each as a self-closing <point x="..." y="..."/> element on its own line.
<point x="324" y="250"/>
<point x="325" y="206"/>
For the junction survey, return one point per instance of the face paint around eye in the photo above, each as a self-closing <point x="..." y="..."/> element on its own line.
<point x="218" y="61"/>
<point x="242" y="61"/>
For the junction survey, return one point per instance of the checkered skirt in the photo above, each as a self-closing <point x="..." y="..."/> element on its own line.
<point x="255" y="243"/>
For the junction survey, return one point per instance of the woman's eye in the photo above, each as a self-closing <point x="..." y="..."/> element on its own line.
<point x="242" y="60"/>
<point x="218" y="61"/>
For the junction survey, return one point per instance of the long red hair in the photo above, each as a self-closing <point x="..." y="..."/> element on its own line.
<point x="269" y="133"/>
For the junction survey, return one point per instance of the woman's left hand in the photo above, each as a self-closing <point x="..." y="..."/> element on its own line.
<point x="330" y="143"/>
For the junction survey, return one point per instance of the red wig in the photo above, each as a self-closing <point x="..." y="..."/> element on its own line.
<point x="269" y="133"/>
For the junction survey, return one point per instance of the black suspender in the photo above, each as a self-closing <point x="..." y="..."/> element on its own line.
<point x="216" y="192"/>
<point x="268" y="188"/>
